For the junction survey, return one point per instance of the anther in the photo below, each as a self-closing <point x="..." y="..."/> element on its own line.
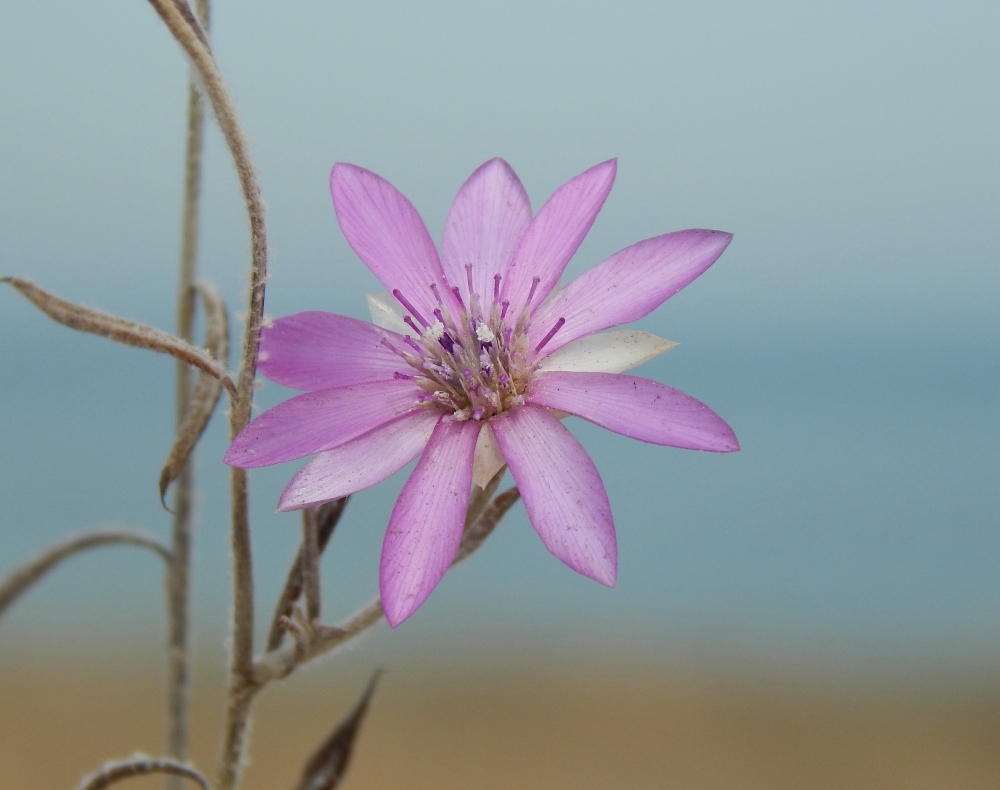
<point x="468" y="278"/>
<point x="458" y="295"/>
<point x="414" y="345"/>
<point x="496" y="287"/>
<point x="505" y="304"/>
<point x="531" y="293"/>
<point x="437" y="296"/>
<point x="551" y="334"/>
<point x="413" y="326"/>
<point x="406" y="303"/>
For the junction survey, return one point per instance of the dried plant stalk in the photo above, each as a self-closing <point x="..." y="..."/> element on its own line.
<point x="25" y="575"/>
<point x="310" y="564"/>
<point x="140" y="765"/>
<point x="190" y="407"/>
<point x="327" y="517"/>
<point x="483" y="526"/>
<point x="241" y="664"/>
<point x="121" y="330"/>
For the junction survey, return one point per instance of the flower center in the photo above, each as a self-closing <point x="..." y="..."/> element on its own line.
<point x="473" y="365"/>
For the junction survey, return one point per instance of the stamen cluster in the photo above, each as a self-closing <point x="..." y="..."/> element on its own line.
<point x="473" y="365"/>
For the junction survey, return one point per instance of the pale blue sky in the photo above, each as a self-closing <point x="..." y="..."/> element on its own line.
<point x="849" y="334"/>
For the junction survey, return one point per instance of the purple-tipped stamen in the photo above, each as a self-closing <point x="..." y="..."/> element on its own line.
<point x="413" y="326"/>
<point x="531" y="293"/>
<point x="507" y="334"/>
<point x="406" y="303"/>
<point x="398" y="375"/>
<point x="496" y="287"/>
<point x="414" y="344"/>
<point x="505" y="304"/>
<point x="437" y="296"/>
<point x="447" y="342"/>
<point x="468" y="278"/>
<point x="551" y="334"/>
<point x="478" y="413"/>
<point x="458" y="295"/>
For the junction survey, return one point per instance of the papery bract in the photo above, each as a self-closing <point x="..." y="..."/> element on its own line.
<point x="469" y="364"/>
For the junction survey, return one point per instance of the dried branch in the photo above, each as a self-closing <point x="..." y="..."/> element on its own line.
<point x="281" y="662"/>
<point x="217" y="342"/>
<point x="26" y="574"/>
<point x="310" y="564"/>
<point x="241" y="689"/>
<point x="139" y="765"/>
<point x="327" y="517"/>
<point x="327" y="766"/>
<point x="121" y="330"/>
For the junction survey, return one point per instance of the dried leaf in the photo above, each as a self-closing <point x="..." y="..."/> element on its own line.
<point x="327" y="515"/>
<point x="131" y="333"/>
<point x="326" y="768"/>
<point x="205" y="395"/>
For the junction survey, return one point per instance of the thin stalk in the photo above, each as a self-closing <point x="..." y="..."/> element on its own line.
<point x="241" y="662"/>
<point x="178" y="582"/>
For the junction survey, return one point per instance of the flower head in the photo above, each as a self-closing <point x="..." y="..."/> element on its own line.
<point x="472" y="358"/>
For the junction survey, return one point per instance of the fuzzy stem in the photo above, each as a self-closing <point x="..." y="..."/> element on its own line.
<point x="25" y="575"/>
<point x="241" y="664"/>
<point x="178" y="583"/>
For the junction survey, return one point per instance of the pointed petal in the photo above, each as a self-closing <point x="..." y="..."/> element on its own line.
<point x="634" y="407"/>
<point x="607" y="352"/>
<point x="555" y="234"/>
<point x="426" y="524"/>
<point x="360" y="463"/>
<point x="387" y="313"/>
<point x="628" y="285"/>
<point x="486" y="221"/>
<point x="488" y="460"/>
<point x="389" y="236"/>
<point x="562" y="491"/>
<point x="316" y="350"/>
<point x="320" y="420"/>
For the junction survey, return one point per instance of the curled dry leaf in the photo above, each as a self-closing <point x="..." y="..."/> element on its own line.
<point x="206" y="392"/>
<point x="121" y="330"/>
<point x="327" y="766"/>
<point x="139" y="765"/>
<point x="327" y="515"/>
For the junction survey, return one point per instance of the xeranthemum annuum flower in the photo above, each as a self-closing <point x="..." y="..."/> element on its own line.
<point x="472" y="359"/>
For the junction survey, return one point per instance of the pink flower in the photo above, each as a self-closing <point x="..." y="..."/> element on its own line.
<point x="471" y="362"/>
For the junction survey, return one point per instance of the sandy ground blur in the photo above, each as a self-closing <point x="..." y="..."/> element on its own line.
<point x="601" y="726"/>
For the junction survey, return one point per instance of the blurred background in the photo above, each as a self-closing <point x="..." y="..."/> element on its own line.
<point x="821" y="609"/>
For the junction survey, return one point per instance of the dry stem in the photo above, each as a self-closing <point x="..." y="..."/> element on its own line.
<point x="139" y="765"/>
<point x="26" y="574"/>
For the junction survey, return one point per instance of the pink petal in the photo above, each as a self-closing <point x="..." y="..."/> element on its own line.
<point x="315" y="350"/>
<point x="426" y="524"/>
<point x="485" y="224"/>
<point x="320" y="420"/>
<point x="638" y="408"/>
<point x="555" y="234"/>
<point x="628" y="285"/>
<point x="360" y="463"/>
<point x="389" y="236"/>
<point x="562" y="491"/>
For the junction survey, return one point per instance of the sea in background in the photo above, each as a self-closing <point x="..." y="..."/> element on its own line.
<point x="849" y="552"/>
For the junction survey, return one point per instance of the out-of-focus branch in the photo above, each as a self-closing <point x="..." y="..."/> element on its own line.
<point x="26" y="574"/>
<point x="121" y="330"/>
<point x="139" y="765"/>
<point x="193" y="411"/>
